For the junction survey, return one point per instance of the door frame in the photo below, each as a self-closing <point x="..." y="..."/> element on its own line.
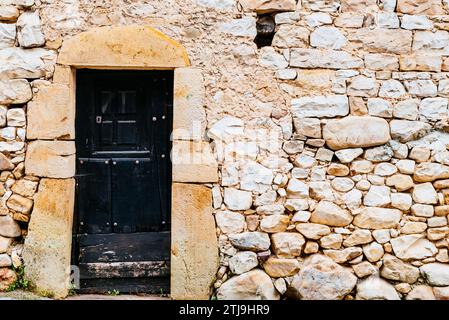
<point x="194" y="247"/>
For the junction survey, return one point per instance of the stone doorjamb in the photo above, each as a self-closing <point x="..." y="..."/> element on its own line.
<point x="51" y="155"/>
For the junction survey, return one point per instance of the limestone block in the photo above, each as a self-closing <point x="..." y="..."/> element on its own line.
<point x="420" y="62"/>
<point x="124" y="47"/>
<point x="326" y="59"/>
<point x="14" y="91"/>
<point x="424" y="7"/>
<point x="194" y="259"/>
<point x="7" y="34"/>
<point x="244" y="27"/>
<point x="29" y="30"/>
<point x="8" y="13"/>
<point x="392" y="41"/>
<point x="18" y="3"/>
<point x="189" y="116"/>
<point x="47" y="249"/>
<point x="268" y="6"/>
<point x="51" y="159"/>
<point x="18" y="63"/>
<point x="320" y="106"/>
<point x="355" y="132"/>
<point x="51" y="113"/>
<point x="193" y="162"/>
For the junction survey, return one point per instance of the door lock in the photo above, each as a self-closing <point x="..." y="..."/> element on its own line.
<point x="115" y="224"/>
<point x="98" y="119"/>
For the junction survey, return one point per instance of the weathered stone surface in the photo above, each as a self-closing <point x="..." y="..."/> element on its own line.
<point x="138" y="46"/>
<point x="425" y="7"/>
<point x="48" y="244"/>
<point x="194" y="252"/>
<point x="433" y="109"/>
<point x="270" y="58"/>
<point x="320" y="106"/>
<point x="8" y="227"/>
<point x="421" y="88"/>
<point x="255" y="177"/>
<point x="377" y="196"/>
<point x="51" y="114"/>
<point x="420" y="63"/>
<point x="330" y="214"/>
<point x="421" y="292"/>
<point x="297" y="189"/>
<point x="243" y="261"/>
<point x="430" y="171"/>
<point x="375" y="288"/>
<point x="312" y="230"/>
<point x="14" y="91"/>
<point x="332" y="241"/>
<point x="18" y="63"/>
<point x="254" y="241"/>
<point x="19" y="204"/>
<point x="281" y="267"/>
<point x="348" y="155"/>
<point x="189" y="117"/>
<point x="243" y="27"/>
<point x="362" y="86"/>
<point x="287" y="244"/>
<point x="381" y="62"/>
<point x="193" y="162"/>
<point x="345" y="255"/>
<point x="441" y="293"/>
<point x="29" y="30"/>
<point x="380" y="108"/>
<point x="5" y="163"/>
<point x="405" y="131"/>
<point x="321" y="5"/>
<point x="7" y="35"/>
<point x="289" y="36"/>
<point x="253" y="285"/>
<point x="358" y="5"/>
<point x="18" y="3"/>
<point x="267" y="6"/>
<point x="377" y="218"/>
<point x="226" y="129"/>
<point x="326" y="59"/>
<point x="354" y="132"/>
<point x="436" y="274"/>
<point x="5" y="243"/>
<point x="230" y="222"/>
<point x="358" y="237"/>
<point x="394" y="269"/>
<point x="410" y="247"/>
<point x="237" y="199"/>
<point x="8" y="13"/>
<point x="425" y="193"/>
<point x="321" y="278"/>
<point x="392" y="89"/>
<point x="327" y="38"/>
<point x="52" y="159"/>
<point x="274" y="223"/>
<point x="392" y="41"/>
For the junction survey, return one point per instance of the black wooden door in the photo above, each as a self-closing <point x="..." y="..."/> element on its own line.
<point x="121" y="231"/>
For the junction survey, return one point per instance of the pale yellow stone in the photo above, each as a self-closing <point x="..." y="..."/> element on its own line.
<point x="267" y="6"/>
<point x="424" y="7"/>
<point x="280" y="267"/>
<point x="189" y="116"/>
<point x="358" y="5"/>
<point x="123" y="47"/>
<point x="194" y="252"/>
<point x="51" y="113"/>
<point x="353" y="132"/>
<point x="193" y="162"/>
<point x="51" y="159"/>
<point x="420" y="62"/>
<point x="47" y="248"/>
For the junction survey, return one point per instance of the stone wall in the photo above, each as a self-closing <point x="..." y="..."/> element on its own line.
<point x="332" y="142"/>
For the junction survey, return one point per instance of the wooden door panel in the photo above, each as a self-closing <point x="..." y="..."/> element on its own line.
<point x="141" y="211"/>
<point x="94" y="195"/>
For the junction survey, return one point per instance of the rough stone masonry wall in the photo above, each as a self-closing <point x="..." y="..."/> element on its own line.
<point x="332" y="142"/>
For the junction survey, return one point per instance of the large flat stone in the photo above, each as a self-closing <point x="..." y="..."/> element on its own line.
<point x="320" y="106"/>
<point x="51" y="113"/>
<point x="267" y="6"/>
<point x="355" y="132"/>
<point x="194" y="253"/>
<point x="392" y="41"/>
<point x="15" y="91"/>
<point x="51" y="159"/>
<point x="124" y="47"/>
<point x="325" y="59"/>
<point x="424" y="7"/>
<point x="47" y="247"/>
<point x="189" y="115"/>
<point x="18" y="63"/>
<point x="193" y="162"/>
